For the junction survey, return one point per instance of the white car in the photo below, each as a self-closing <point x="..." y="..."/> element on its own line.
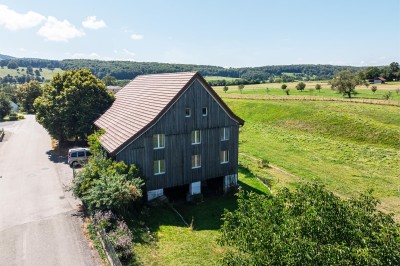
<point x="77" y="156"/>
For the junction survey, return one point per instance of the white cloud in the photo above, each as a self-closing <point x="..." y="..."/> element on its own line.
<point x="83" y="55"/>
<point x="137" y="37"/>
<point x="92" y="23"/>
<point x="128" y="52"/>
<point x="59" y="31"/>
<point x="12" y="20"/>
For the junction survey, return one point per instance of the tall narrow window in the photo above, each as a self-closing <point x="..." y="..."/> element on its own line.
<point x="224" y="133"/>
<point x="224" y="156"/>
<point x="196" y="137"/>
<point x="159" y="167"/>
<point x="187" y="112"/>
<point x="196" y="161"/>
<point x="204" y="111"/>
<point x="158" y="141"/>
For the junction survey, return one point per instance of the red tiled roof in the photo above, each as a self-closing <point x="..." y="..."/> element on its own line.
<point x="141" y="102"/>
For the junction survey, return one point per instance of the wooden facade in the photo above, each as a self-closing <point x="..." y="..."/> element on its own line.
<point x="179" y="149"/>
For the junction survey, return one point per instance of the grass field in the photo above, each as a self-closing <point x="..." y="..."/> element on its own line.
<point x="326" y="91"/>
<point x="349" y="147"/>
<point x="46" y="73"/>
<point x="178" y="244"/>
<point x="212" y="78"/>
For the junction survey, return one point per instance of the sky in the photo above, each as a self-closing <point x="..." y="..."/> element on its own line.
<point x="209" y="32"/>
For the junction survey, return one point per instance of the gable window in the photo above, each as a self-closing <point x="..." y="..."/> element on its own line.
<point x="224" y="133"/>
<point x="204" y="111"/>
<point x="196" y="137"/>
<point x="224" y="157"/>
<point x="159" y="167"/>
<point x="158" y="141"/>
<point x="196" y="161"/>
<point x="188" y="112"/>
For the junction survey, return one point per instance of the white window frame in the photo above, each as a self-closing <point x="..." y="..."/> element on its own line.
<point x="202" y="111"/>
<point x="196" y="158"/>
<point x="197" y="137"/>
<point x="159" y="142"/>
<point x="224" y="156"/>
<point x="186" y="112"/>
<point x="158" y="172"/>
<point x="225" y="134"/>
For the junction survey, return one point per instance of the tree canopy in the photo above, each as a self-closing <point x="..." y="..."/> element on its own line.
<point x="70" y="103"/>
<point x="345" y="82"/>
<point x="27" y="94"/>
<point x="5" y="106"/>
<point x="309" y="226"/>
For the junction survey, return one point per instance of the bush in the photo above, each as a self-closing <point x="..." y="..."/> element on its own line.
<point x="13" y="117"/>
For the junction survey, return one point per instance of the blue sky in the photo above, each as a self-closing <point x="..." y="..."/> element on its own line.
<point x="224" y="33"/>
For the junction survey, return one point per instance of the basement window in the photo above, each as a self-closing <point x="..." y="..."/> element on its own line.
<point x="224" y="133"/>
<point x="159" y="167"/>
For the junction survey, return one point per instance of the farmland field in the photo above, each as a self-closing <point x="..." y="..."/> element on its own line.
<point x="46" y="73"/>
<point x="212" y="78"/>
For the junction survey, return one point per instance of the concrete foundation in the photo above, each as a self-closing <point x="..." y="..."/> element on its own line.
<point x="230" y="182"/>
<point x="152" y="194"/>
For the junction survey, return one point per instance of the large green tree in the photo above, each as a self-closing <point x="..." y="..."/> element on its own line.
<point x="70" y="103"/>
<point x="345" y="82"/>
<point x="309" y="226"/>
<point x="301" y="86"/>
<point x="5" y="106"/>
<point x="27" y="94"/>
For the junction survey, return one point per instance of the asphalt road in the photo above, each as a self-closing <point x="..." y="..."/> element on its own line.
<point x="39" y="221"/>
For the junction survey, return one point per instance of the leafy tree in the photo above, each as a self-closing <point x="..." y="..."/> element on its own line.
<point x="287" y="91"/>
<point x="5" y="106"/>
<point x="374" y="89"/>
<point x="301" y="86"/>
<point x="284" y="86"/>
<point x="27" y="93"/>
<point x="241" y="87"/>
<point x="387" y="95"/>
<point x="372" y="72"/>
<point x="309" y="226"/>
<point x="29" y="70"/>
<point x="104" y="184"/>
<point x="70" y="104"/>
<point x="345" y="82"/>
<point x="318" y="87"/>
<point x="109" y="81"/>
<point x="226" y="88"/>
<point x="37" y="72"/>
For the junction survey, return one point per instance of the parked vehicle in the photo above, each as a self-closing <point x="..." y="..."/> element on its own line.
<point x="78" y="156"/>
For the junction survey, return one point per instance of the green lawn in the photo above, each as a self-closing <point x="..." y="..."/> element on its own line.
<point x="212" y="78"/>
<point x="177" y="244"/>
<point x="46" y="73"/>
<point x="275" y="90"/>
<point x="349" y="147"/>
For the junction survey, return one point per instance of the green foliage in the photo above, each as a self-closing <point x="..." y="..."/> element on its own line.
<point x="346" y="81"/>
<point x="12" y="65"/>
<point x="5" y="106"/>
<point x="374" y="89"/>
<point x="309" y="226"/>
<point x="70" y="104"/>
<point x="13" y="117"/>
<point x="27" y="94"/>
<point x="287" y="91"/>
<point x="240" y="87"/>
<point x="104" y="184"/>
<point x="387" y="95"/>
<point x="284" y="86"/>
<point x="225" y="89"/>
<point x="109" y="81"/>
<point x="301" y="86"/>
<point x="318" y="87"/>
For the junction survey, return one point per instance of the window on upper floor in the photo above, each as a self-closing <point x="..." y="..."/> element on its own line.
<point x="196" y="161"/>
<point x="188" y="112"/>
<point x="159" y="167"/>
<point x="224" y="156"/>
<point x="158" y="141"/>
<point x="224" y="133"/>
<point x="196" y="137"/>
<point x="204" y="111"/>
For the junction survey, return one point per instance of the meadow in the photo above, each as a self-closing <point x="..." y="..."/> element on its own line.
<point x="46" y="73"/>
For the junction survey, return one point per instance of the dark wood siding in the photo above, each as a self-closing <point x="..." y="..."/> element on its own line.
<point x="178" y="149"/>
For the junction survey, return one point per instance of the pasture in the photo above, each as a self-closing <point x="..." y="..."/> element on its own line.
<point x="46" y="73"/>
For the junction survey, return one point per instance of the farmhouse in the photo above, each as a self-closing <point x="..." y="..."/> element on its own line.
<point x="177" y="130"/>
<point x="379" y="80"/>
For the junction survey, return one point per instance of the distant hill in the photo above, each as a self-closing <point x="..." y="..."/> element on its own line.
<point x="3" y="56"/>
<point x="127" y="70"/>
